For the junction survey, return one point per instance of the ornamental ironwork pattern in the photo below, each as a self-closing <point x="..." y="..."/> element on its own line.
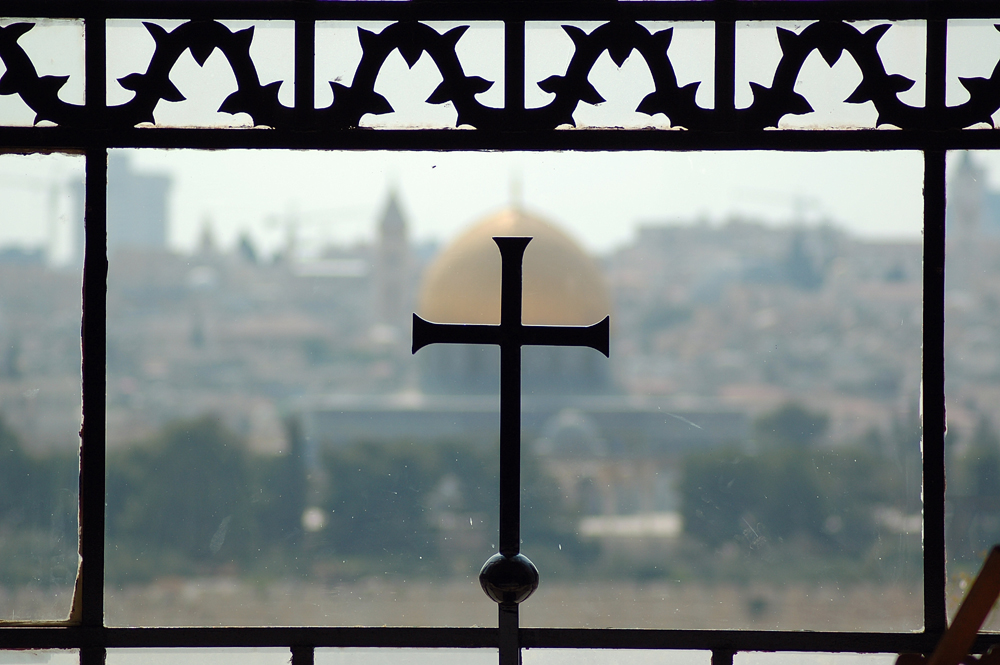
<point x="412" y="39"/>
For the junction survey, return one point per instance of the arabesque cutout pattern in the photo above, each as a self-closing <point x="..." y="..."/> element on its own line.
<point x="618" y="38"/>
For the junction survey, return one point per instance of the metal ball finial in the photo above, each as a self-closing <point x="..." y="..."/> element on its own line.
<point x="508" y="580"/>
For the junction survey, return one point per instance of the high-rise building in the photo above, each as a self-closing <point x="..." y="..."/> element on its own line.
<point x="137" y="208"/>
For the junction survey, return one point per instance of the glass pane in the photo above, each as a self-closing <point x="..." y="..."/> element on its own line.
<point x="40" y="405"/>
<point x="619" y="88"/>
<point x="758" y="658"/>
<point x="409" y="656"/>
<point x="279" y="456"/>
<point x="201" y="82"/>
<point x="616" y="657"/>
<point x="25" y="657"/>
<point x="973" y="53"/>
<point x="55" y="49"/>
<point x="409" y="82"/>
<point x="219" y="656"/>
<point x="826" y="87"/>
<point x="972" y="369"/>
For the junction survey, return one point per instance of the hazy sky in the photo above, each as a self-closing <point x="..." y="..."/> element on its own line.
<point x="600" y="197"/>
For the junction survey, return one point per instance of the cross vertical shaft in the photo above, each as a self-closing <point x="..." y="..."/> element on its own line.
<point x="512" y="254"/>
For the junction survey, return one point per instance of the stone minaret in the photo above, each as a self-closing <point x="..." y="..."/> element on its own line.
<point x="966" y="199"/>
<point x="393" y="268"/>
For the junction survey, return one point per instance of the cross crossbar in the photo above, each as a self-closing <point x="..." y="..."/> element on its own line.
<point x="510" y="335"/>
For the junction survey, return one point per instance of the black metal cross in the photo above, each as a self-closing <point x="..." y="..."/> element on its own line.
<point x="509" y="577"/>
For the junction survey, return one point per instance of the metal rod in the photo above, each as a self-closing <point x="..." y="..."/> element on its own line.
<point x="510" y="401"/>
<point x="23" y="140"/>
<point x="725" y="65"/>
<point x="722" y="657"/>
<point x="305" y="70"/>
<point x="510" y="647"/>
<point x="513" y="64"/>
<point x="93" y="335"/>
<point x="936" y="64"/>
<point x="303" y="655"/>
<point x="500" y="10"/>
<point x="933" y="407"/>
<point x="70" y="637"/>
<point x="92" y="655"/>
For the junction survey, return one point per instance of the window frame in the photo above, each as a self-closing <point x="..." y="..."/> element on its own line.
<point x="93" y="138"/>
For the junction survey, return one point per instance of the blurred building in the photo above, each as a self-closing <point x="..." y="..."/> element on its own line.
<point x="611" y="454"/>
<point x="137" y="208"/>
<point x="562" y="285"/>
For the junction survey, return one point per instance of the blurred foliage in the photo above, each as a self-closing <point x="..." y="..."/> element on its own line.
<point x="38" y="510"/>
<point x="973" y="493"/>
<point x="193" y="501"/>
<point x="183" y="497"/>
<point x="822" y="504"/>
<point x="791" y="426"/>
<point x="387" y="500"/>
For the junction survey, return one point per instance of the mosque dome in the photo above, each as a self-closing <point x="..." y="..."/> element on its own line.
<point x="563" y="285"/>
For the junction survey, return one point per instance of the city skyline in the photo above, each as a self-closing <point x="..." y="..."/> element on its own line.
<point x="336" y="197"/>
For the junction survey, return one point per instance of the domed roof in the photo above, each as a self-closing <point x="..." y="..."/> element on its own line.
<point x="563" y="285"/>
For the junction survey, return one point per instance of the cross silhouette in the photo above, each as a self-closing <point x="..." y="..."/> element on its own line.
<point x="509" y="584"/>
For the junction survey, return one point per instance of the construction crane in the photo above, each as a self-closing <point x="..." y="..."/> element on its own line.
<point x="293" y="221"/>
<point x="798" y="204"/>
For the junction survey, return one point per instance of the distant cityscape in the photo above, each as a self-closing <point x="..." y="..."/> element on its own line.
<point x="740" y="316"/>
<point x="738" y="342"/>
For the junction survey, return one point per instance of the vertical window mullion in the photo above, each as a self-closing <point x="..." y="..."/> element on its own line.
<point x="932" y="391"/>
<point x="514" y="71"/>
<point x="933" y="406"/>
<point x="725" y="64"/>
<point x="95" y="271"/>
<point x="305" y="69"/>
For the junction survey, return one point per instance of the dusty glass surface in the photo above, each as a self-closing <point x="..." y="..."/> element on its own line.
<point x="200" y="90"/>
<point x="405" y="87"/>
<point x="40" y="405"/>
<point x="756" y="464"/>
<point x="549" y="50"/>
<point x="277" y="455"/>
<point x="760" y="658"/>
<point x="826" y="87"/>
<point x="616" y="657"/>
<point x="357" y="656"/>
<point x="55" y="48"/>
<point x="40" y="657"/>
<point x="217" y="656"/>
<point x="973" y="53"/>
<point x="972" y="369"/>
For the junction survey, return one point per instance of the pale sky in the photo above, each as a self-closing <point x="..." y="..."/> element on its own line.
<point x="600" y="197"/>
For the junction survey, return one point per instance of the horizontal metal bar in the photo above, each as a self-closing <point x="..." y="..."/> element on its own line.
<point x="559" y="10"/>
<point x="731" y="640"/>
<point x="75" y="636"/>
<point x="546" y="638"/>
<point x="55" y="139"/>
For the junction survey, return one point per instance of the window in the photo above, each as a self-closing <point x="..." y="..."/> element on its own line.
<point x="76" y="121"/>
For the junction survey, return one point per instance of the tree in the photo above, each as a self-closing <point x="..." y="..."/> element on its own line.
<point x="731" y="494"/>
<point x="791" y="426"/>
<point x="183" y="496"/>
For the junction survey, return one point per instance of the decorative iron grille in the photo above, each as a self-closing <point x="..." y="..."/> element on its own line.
<point x="95" y="127"/>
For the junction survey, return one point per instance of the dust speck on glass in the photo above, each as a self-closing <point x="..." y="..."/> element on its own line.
<point x="260" y="202"/>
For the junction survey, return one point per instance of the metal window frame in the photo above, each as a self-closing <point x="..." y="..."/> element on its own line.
<point x="94" y="138"/>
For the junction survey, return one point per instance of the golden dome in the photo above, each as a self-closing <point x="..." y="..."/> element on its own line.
<point x="563" y="285"/>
